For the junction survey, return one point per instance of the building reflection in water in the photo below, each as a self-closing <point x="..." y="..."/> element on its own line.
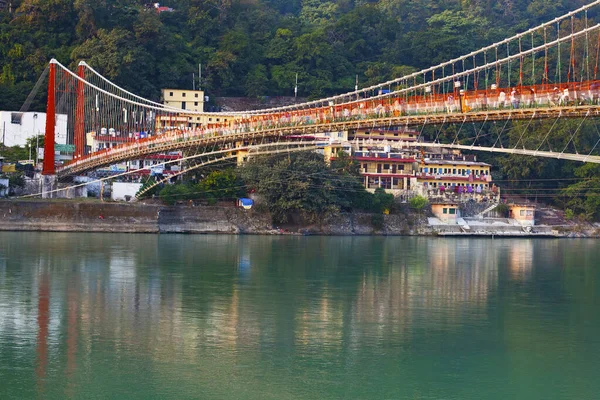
<point x="245" y="297"/>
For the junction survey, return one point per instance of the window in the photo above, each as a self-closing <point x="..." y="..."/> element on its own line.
<point x="445" y="211"/>
<point x="195" y="103"/>
<point x="386" y="166"/>
<point x="522" y="213"/>
<point x="400" y="167"/>
<point x="170" y="94"/>
<point x="196" y="95"/>
<point x="452" y="211"/>
<point x="15" y="118"/>
<point x="183" y="94"/>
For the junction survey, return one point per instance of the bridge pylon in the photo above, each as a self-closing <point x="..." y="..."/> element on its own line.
<point x="49" y="136"/>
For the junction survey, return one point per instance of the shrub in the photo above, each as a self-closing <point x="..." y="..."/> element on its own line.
<point x="418" y="203"/>
<point x="569" y="214"/>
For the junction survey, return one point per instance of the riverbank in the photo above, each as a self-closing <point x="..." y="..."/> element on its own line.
<point x="96" y="216"/>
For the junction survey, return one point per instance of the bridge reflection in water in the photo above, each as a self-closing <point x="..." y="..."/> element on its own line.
<point x="130" y="315"/>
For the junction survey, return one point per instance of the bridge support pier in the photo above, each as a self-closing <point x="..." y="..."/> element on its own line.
<point x="48" y="186"/>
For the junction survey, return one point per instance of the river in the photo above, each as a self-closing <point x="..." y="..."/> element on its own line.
<point x="109" y="316"/>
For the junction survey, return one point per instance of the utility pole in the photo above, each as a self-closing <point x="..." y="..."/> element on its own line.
<point x="199" y="76"/>
<point x="4" y="134"/>
<point x="37" y="148"/>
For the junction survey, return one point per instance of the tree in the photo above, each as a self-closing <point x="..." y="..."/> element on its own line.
<point x="382" y="201"/>
<point x="296" y="184"/>
<point x="222" y="184"/>
<point x="418" y="203"/>
<point x="583" y="197"/>
<point x="257" y="81"/>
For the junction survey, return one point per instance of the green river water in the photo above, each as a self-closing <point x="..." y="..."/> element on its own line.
<point x="108" y="316"/>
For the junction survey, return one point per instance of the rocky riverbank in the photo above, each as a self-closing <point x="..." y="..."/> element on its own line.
<point x="95" y="216"/>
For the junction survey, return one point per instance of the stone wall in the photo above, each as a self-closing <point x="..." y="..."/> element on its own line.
<point x="72" y="216"/>
<point x="93" y="216"/>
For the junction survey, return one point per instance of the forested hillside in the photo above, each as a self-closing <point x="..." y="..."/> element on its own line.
<point x="251" y="47"/>
<point x="256" y="48"/>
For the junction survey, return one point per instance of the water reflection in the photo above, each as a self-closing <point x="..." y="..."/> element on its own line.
<point x="215" y="303"/>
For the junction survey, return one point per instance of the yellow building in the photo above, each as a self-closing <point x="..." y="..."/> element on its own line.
<point x="449" y="171"/>
<point x="192" y="100"/>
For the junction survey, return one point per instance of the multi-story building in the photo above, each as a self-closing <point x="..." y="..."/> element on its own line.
<point x="385" y="163"/>
<point x="453" y="172"/>
<point x="192" y="100"/>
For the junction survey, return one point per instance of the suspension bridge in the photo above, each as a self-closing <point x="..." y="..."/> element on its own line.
<point x="549" y="72"/>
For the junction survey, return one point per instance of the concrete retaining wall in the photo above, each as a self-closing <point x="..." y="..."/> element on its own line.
<point x="76" y="216"/>
<point x="39" y="215"/>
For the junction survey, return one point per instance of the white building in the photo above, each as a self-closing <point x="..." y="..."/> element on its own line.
<point x="16" y="127"/>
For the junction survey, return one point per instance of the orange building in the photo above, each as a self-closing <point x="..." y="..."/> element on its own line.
<point x="447" y="211"/>
<point x="524" y="213"/>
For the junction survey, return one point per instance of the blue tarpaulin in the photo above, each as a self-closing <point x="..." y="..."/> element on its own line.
<point x="246" y="203"/>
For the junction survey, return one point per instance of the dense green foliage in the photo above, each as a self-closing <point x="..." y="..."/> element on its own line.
<point x="302" y="185"/>
<point x="418" y="203"/>
<point x="217" y="185"/>
<point x="251" y="47"/>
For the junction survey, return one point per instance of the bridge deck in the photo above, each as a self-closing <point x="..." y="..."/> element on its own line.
<point x="228" y="136"/>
